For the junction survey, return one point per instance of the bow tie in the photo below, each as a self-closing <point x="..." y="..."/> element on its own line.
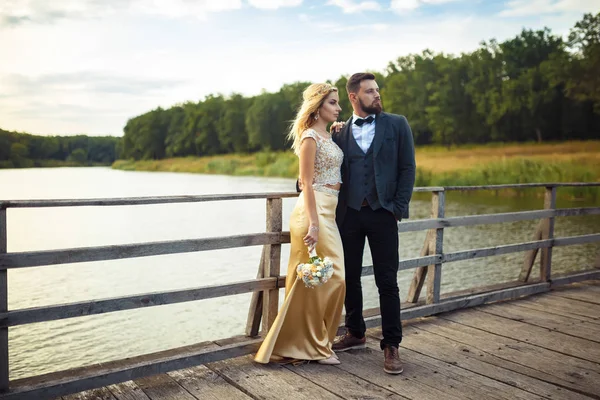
<point x="361" y="121"/>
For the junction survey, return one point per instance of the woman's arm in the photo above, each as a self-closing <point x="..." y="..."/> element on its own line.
<point x="308" y="151"/>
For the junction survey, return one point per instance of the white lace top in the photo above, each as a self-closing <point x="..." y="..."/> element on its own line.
<point x="328" y="162"/>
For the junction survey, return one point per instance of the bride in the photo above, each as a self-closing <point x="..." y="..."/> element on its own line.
<point x="308" y="319"/>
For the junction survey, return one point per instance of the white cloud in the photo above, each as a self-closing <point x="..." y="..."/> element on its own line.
<point x="404" y="5"/>
<point x="183" y="8"/>
<point x="409" y="5"/>
<point x="350" y="7"/>
<point x="17" y="12"/>
<point x="336" y="27"/>
<point x="519" y="8"/>
<point x="74" y="102"/>
<point x="274" y="4"/>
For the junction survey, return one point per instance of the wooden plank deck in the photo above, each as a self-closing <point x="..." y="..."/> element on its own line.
<point x="546" y="346"/>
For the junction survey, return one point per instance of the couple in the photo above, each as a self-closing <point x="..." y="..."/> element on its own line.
<point x="362" y="181"/>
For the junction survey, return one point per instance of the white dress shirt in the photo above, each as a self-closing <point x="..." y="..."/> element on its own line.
<point x="363" y="134"/>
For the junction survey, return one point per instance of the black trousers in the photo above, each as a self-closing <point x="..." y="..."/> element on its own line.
<point x="381" y="229"/>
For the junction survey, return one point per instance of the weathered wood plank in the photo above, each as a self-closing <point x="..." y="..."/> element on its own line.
<point x="571" y="372"/>
<point x="408" y="264"/>
<point x="484" y="289"/>
<point x="593" y="285"/>
<point x="368" y="365"/>
<point x="127" y="391"/>
<point x="203" y="383"/>
<point x="471" y="359"/>
<point x="581" y="239"/>
<point x="423" y="224"/>
<point x="586" y="296"/>
<point x="163" y="387"/>
<point x="269" y="381"/>
<point x="231" y="340"/>
<point x="273" y="264"/>
<point x="50" y="313"/>
<point x="4" y="367"/>
<point x="117" y="252"/>
<point x="470" y="385"/>
<point x="65" y="382"/>
<point x="345" y="385"/>
<point x="576" y="277"/>
<point x="94" y="394"/>
<point x="563" y="306"/>
<point x="571" y="212"/>
<point x="450" y="304"/>
<point x="521" y="331"/>
<point x="521" y="186"/>
<point x="436" y="246"/>
<point x="402" y="265"/>
<point x="567" y="325"/>
<point x="495" y="251"/>
<point x="130" y="201"/>
<point x="246" y="196"/>
<point x="518" y="247"/>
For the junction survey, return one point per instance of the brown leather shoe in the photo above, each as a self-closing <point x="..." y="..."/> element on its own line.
<point x="349" y="342"/>
<point x="392" y="363"/>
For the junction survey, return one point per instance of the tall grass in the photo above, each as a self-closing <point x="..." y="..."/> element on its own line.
<point x="462" y="166"/>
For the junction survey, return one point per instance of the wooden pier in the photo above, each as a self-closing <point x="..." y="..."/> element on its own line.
<point x="543" y="345"/>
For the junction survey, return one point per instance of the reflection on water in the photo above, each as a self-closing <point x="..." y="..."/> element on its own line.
<point x="50" y="346"/>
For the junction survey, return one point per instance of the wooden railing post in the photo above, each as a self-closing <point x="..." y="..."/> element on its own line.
<point x="273" y="263"/>
<point x="256" y="304"/>
<point x="531" y="255"/>
<point x="547" y="233"/>
<point x="3" y="306"/>
<point x="414" y="291"/>
<point x="436" y="246"/>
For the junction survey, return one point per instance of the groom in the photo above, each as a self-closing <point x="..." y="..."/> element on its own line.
<point x="378" y="175"/>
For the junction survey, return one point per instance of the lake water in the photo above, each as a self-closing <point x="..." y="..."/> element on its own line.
<point x="51" y="346"/>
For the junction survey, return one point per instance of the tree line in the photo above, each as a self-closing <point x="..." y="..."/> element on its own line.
<point x="21" y="150"/>
<point x="535" y="86"/>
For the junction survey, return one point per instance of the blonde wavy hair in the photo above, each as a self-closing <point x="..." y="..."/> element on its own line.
<point x="313" y="98"/>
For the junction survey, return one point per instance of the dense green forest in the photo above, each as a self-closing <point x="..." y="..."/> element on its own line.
<point x="21" y="150"/>
<point x="533" y="87"/>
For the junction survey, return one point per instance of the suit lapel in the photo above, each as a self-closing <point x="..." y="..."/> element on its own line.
<point x="380" y="126"/>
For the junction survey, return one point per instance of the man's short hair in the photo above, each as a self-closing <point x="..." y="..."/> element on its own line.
<point x="353" y="84"/>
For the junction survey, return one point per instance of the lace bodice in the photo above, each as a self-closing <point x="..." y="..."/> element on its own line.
<point x="328" y="160"/>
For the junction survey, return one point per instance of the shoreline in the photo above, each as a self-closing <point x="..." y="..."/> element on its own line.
<point x="461" y="166"/>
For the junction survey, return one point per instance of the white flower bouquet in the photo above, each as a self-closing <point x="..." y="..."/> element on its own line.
<point x="316" y="271"/>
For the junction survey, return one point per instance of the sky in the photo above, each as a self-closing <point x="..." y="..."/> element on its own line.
<point x="87" y="66"/>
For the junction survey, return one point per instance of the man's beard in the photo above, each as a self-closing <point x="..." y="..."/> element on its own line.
<point x="372" y="109"/>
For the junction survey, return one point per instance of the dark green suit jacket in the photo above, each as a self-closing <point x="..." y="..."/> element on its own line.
<point x="393" y="161"/>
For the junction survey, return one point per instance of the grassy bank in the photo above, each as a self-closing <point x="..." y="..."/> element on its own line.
<point x="27" y="163"/>
<point x="436" y="166"/>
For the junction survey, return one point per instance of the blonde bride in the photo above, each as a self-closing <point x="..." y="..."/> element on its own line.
<point x="309" y="317"/>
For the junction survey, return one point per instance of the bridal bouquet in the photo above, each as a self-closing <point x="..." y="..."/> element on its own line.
<point x="316" y="271"/>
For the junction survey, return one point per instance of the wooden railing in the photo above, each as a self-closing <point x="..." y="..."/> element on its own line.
<point x="265" y="287"/>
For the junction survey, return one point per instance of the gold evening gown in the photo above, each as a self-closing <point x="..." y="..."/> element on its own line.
<point x="308" y="320"/>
